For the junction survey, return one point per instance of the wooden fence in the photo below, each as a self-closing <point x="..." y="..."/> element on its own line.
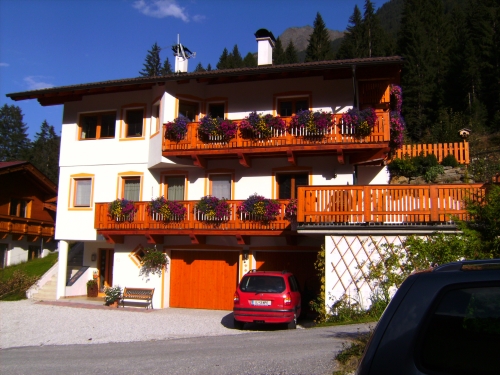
<point x="441" y="150"/>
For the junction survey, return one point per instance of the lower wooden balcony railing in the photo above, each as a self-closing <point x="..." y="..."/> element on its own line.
<point x="18" y="227"/>
<point x="385" y="204"/>
<point x="339" y="133"/>
<point x="141" y="220"/>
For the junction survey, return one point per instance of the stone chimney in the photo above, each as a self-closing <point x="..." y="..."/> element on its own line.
<point x="265" y="44"/>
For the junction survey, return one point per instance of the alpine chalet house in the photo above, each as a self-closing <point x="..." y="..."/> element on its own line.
<point x="227" y="171"/>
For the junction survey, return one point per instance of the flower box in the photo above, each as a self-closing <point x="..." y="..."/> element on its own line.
<point x="161" y="209"/>
<point x="212" y="130"/>
<point x="261" y="127"/>
<point x="213" y="210"/>
<point x="307" y="123"/>
<point x="258" y="208"/>
<point x="122" y="210"/>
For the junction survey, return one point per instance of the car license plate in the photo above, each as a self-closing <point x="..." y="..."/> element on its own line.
<point x="260" y="303"/>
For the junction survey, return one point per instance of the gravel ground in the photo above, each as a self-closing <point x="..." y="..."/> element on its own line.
<point x="30" y="323"/>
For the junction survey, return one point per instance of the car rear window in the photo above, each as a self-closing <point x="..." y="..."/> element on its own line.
<point x="263" y="284"/>
<point x="463" y="336"/>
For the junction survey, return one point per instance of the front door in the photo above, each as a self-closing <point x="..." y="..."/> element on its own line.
<point x="105" y="264"/>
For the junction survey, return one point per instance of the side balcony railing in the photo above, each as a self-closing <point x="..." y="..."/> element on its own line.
<point x="193" y="219"/>
<point x="458" y="149"/>
<point x="338" y="133"/>
<point x="385" y="204"/>
<point x="26" y="226"/>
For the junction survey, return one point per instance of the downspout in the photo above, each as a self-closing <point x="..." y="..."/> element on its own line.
<point x="355" y="92"/>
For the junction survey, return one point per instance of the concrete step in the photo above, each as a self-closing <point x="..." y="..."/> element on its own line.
<point x="48" y="292"/>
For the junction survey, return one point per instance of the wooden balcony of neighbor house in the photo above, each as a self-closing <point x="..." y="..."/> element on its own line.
<point x="19" y="227"/>
<point x="193" y="223"/>
<point x="385" y="204"/>
<point x="458" y="149"/>
<point x="338" y="139"/>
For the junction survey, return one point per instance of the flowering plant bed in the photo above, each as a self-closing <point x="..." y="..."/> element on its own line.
<point x="165" y="210"/>
<point x="307" y="122"/>
<point x="216" y="129"/>
<point x="176" y="130"/>
<point x="258" y="208"/>
<point x="211" y="208"/>
<point x="362" y="121"/>
<point x="261" y="126"/>
<point x="121" y="209"/>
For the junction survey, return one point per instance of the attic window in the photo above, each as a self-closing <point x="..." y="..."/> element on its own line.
<point x="98" y="125"/>
<point x="19" y="207"/>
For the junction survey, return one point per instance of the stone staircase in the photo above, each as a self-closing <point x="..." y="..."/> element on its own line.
<point x="48" y="292"/>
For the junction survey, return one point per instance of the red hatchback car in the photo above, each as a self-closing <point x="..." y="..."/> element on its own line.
<point x="267" y="297"/>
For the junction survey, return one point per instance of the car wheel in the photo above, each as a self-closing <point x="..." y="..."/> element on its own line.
<point x="238" y="324"/>
<point x="293" y="323"/>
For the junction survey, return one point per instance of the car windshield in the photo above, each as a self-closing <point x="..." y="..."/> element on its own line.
<point x="262" y="284"/>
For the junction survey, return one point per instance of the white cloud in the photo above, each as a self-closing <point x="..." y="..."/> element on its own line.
<point x="161" y="9"/>
<point x="199" y="18"/>
<point x="3" y="65"/>
<point x="36" y="83"/>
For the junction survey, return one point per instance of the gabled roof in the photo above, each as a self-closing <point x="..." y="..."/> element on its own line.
<point x="43" y="181"/>
<point x="331" y="69"/>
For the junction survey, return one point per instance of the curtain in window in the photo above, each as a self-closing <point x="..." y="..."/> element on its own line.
<point x="83" y="190"/>
<point x="175" y="190"/>
<point x="221" y="186"/>
<point x="131" y="189"/>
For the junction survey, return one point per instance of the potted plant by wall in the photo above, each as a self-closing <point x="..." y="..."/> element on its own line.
<point x="161" y="209"/>
<point x="309" y="123"/>
<point x="258" y="208"/>
<point x="122" y="210"/>
<point x="212" y="210"/>
<point x="216" y="129"/>
<point x="176" y="130"/>
<point x="153" y="262"/>
<point x="92" y="289"/>
<point x="260" y="127"/>
<point x="112" y="295"/>
<point x="362" y="121"/>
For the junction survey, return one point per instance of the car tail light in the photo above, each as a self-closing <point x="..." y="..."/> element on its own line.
<point x="236" y="297"/>
<point x="287" y="299"/>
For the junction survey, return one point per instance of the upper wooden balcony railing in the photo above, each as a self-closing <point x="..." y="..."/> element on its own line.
<point x="19" y="226"/>
<point x="141" y="220"/>
<point x="339" y="133"/>
<point x="458" y="149"/>
<point x="389" y="204"/>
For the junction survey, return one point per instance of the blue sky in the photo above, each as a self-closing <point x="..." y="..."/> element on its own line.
<point x="50" y="43"/>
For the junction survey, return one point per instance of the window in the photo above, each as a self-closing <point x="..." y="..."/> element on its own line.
<point x="220" y="186"/>
<point x="134" y="119"/>
<point x="288" y="183"/>
<point x="217" y="110"/>
<point x="188" y="109"/>
<point x="83" y="192"/>
<point x="155" y="119"/>
<point x="98" y="126"/>
<point x="19" y="207"/>
<point x="131" y="188"/>
<point x="290" y="106"/>
<point x="174" y="187"/>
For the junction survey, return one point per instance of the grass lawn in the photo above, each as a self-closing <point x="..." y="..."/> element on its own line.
<point x="16" y="279"/>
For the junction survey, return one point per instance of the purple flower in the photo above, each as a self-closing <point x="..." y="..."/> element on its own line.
<point x="177" y="129"/>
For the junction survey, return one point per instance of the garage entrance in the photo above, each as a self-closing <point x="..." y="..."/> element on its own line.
<point x="203" y="279"/>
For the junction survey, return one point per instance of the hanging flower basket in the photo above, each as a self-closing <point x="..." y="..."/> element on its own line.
<point x="216" y="129"/>
<point x="213" y="210"/>
<point x="122" y="210"/>
<point x="258" y="208"/>
<point x="161" y="209"/>
<point x="261" y="127"/>
<point x="152" y="262"/>
<point x="291" y="210"/>
<point x="309" y="123"/>
<point x="362" y="122"/>
<point x="176" y="130"/>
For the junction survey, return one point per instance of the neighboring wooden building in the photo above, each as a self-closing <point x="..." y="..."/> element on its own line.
<point x="27" y="213"/>
<point x="115" y="143"/>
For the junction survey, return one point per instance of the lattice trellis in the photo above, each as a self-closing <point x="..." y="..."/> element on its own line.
<point x="346" y="265"/>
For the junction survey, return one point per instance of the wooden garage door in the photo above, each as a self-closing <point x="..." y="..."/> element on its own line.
<point x="203" y="279"/>
<point x="301" y="264"/>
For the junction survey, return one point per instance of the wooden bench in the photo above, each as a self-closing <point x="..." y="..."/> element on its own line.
<point x="138" y="294"/>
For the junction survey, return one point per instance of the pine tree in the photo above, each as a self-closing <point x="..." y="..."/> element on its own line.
<point x="167" y="68"/>
<point x="14" y="141"/>
<point x="152" y="65"/>
<point x="209" y="67"/>
<point x="250" y="61"/>
<point x="223" y="60"/>
<point x="373" y="35"/>
<point x="44" y="153"/>
<point x="351" y="46"/>
<point x="319" y="48"/>
<point x="199" y="68"/>
<point x="234" y="59"/>
<point x="291" y="56"/>
<point x="278" y="53"/>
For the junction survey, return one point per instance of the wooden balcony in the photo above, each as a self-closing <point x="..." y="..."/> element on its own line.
<point x="19" y="227"/>
<point x="192" y="224"/>
<point x="339" y="139"/>
<point x="385" y="204"/>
